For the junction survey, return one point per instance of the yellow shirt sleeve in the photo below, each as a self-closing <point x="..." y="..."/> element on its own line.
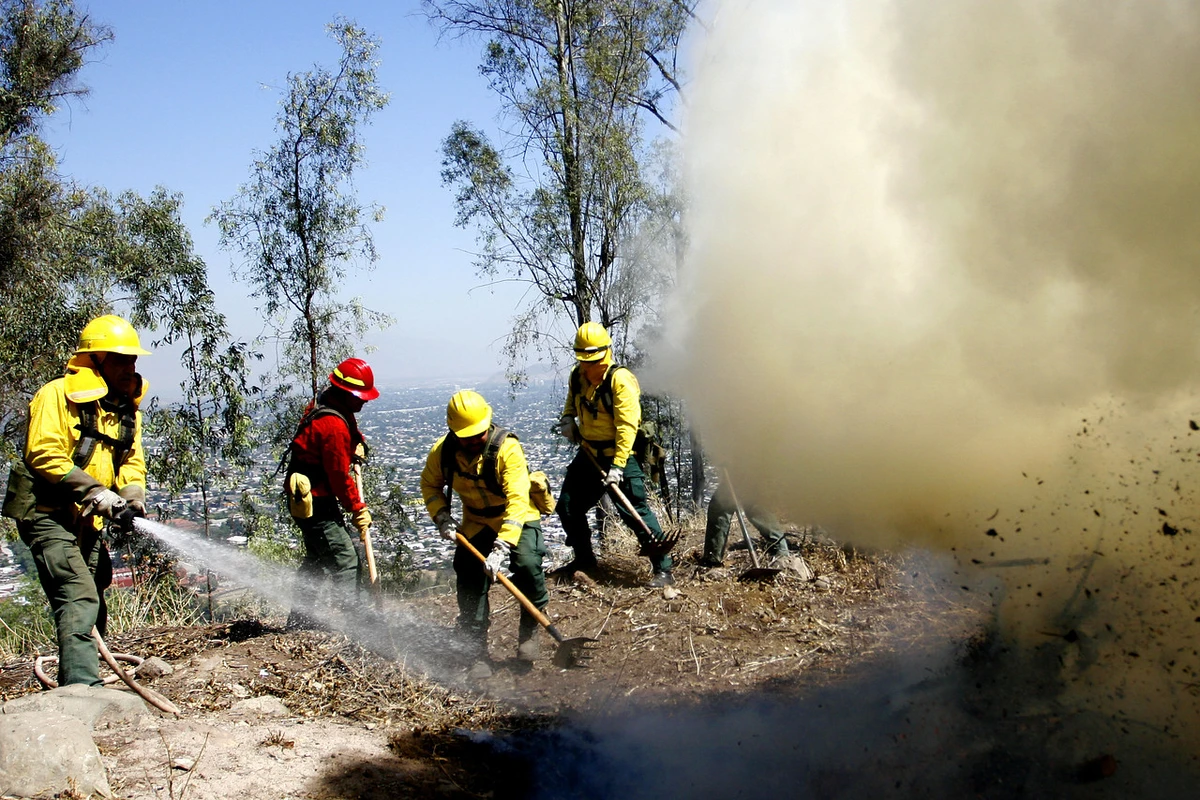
<point x="433" y="481"/>
<point x="627" y="414"/>
<point x="569" y="409"/>
<point x="513" y="472"/>
<point x="50" y="445"/>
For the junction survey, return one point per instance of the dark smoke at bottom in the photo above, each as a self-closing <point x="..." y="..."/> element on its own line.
<point x="980" y="719"/>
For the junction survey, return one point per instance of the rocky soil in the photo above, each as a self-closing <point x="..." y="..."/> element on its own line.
<point x="386" y="710"/>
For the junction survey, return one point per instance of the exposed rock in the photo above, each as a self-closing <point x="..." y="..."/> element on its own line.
<point x="44" y="753"/>
<point x="91" y="705"/>
<point x="154" y="667"/>
<point x="265" y="706"/>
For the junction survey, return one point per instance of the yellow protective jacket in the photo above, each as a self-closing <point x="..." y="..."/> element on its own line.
<point x="53" y="436"/>
<point x="506" y="513"/>
<point x="606" y="433"/>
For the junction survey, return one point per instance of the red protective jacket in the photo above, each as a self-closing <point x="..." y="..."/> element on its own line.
<point x="322" y="450"/>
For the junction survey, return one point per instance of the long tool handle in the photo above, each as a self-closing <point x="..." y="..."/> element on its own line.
<point x="525" y="602"/>
<point x="624" y="501"/>
<point x="741" y="515"/>
<point x="621" y="498"/>
<point x="365" y="533"/>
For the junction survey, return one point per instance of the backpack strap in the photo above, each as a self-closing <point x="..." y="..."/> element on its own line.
<point x="90" y="436"/>
<point x="310" y="416"/>
<point x="603" y="396"/>
<point x="489" y="472"/>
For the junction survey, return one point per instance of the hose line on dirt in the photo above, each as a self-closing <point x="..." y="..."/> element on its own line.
<point x="149" y="695"/>
<point x="113" y="660"/>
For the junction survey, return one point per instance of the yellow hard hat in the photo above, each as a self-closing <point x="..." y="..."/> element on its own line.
<point x="110" y="334"/>
<point x="591" y="342"/>
<point x="468" y="414"/>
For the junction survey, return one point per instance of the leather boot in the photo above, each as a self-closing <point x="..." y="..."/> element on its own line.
<point x="528" y="648"/>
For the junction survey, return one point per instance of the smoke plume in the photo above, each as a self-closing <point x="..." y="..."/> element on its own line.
<point x="943" y="291"/>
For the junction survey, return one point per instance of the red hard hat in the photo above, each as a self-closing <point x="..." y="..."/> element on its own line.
<point x="355" y="376"/>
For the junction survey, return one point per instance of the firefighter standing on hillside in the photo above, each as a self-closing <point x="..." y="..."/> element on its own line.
<point x="486" y="466"/>
<point x="721" y="509"/>
<point x="83" y="462"/>
<point x="605" y="429"/>
<point x="319" y="478"/>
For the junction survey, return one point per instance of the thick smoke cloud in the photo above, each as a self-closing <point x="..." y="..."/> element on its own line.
<point x="943" y="290"/>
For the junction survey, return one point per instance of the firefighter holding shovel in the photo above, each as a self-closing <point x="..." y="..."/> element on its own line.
<point x="320" y="482"/>
<point x="602" y="413"/>
<point x="485" y="465"/>
<point x="83" y="463"/>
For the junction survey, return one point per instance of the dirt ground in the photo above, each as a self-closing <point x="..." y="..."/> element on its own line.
<point x="270" y="713"/>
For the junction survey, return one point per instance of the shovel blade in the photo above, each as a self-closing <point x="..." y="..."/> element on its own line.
<point x="759" y="574"/>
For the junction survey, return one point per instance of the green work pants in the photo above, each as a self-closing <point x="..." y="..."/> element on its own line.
<point x="716" y="531"/>
<point x="329" y="554"/>
<point x="581" y="490"/>
<point x="525" y="564"/>
<point x="74" y="572"/>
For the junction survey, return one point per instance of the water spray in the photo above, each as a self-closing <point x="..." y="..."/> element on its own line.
<point x="389" y="631"/>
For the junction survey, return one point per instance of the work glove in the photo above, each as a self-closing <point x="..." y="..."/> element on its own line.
<point x="362" y="518"/>
<point x="614" y="476"/>
<point x="104" y="502"/>
<point x="446" y="525"/>
<point x="124" y="519"/>
<point x="135" y="496"/>
<point x="497" y="560"/>
<point x="568" y="429"/>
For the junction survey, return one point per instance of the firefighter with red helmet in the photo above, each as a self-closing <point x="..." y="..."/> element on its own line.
<point x="320" y="484"/>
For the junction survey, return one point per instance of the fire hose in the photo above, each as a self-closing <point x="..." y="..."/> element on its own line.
<point x="124" y="522"/>
<point x="114" y="662"/>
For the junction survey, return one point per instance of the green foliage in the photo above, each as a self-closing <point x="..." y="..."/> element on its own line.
<point x="26" y="624"/>
<point x="42" y="47"/>
<point x="576" y="79"/>
<point x="270" y="537"/>
<point x="151" y="604"/>
<point x="297" y="223"/>
<point x="46" y="298"/>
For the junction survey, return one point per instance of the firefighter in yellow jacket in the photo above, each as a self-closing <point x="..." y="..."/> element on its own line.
<point x="485" y="465"/>
<point x="602" y="414"/>
<point x="83" y="463"/>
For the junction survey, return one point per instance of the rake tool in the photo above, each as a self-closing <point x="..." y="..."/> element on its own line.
<point x="654" y="547"/>
<point x="570" y="650"/>
<point x="756" y="572"/>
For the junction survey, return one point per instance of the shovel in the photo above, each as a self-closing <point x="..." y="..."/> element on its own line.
<point x="365" y="533"/>
<point x="756" y="572"/>
<point x="569" y="650"/>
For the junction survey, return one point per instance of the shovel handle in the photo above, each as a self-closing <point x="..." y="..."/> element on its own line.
<point x="365" y="533"/>
<point x="525" y="602"/>
<point x="741" y="515"/>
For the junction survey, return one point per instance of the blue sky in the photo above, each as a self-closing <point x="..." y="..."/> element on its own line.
<point x="187" y="92"/>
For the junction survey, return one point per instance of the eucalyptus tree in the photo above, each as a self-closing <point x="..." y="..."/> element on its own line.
<point x="206" y="438"/>
<point x="46" y="292"/>
<point x="297" y="223"/>
<point x="555" y="202"/>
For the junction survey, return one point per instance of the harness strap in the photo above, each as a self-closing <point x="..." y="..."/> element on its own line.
<point x="488" y="473"/>
<point x="318" y="410"/>
<point x="90" y="436"/>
